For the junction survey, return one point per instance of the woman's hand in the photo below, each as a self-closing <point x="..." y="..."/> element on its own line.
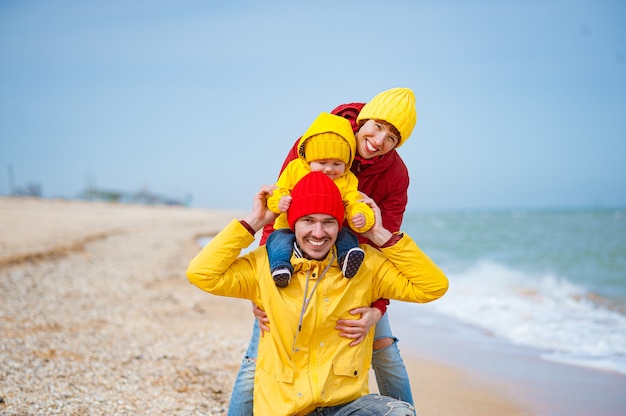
<point x="357" y="329"/>
<point x="261" y="316"/>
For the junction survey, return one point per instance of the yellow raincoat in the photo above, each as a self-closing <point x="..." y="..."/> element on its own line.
<point x="303" y="363"/>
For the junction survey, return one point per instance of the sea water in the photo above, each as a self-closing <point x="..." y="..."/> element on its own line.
<point x="551" y="280"/>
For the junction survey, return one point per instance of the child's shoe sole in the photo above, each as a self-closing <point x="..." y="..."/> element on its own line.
<point x="281" y="277"/>
<point x="352" y="262"/>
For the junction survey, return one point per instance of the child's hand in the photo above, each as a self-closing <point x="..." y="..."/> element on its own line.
<point x="358" y="220"/>
<point x="285" y="203"/>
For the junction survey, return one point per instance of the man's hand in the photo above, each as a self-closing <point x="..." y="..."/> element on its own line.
<point x="261" y="215"/>
<point x="357" y="329"/>
<point x="261" y="316"/>
<point x="378" y="234"/>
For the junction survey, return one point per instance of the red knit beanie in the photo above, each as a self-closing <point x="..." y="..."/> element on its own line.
<point x="315" y="193"/>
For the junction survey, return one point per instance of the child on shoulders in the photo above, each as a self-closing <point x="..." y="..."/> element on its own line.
<point x="328" y="146"/>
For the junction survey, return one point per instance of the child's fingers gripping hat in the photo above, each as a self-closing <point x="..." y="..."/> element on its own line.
<point x="328" y="137"/>
<point x="395" y="106"/>
<point x="315" y="193"/>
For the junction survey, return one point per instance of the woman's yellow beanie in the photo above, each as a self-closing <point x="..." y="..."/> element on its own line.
<point x="395" y="106"/>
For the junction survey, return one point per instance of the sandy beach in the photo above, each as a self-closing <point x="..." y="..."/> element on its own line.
<point x="97" y="317"/>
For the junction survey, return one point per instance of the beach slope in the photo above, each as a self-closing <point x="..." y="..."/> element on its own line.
<point x="97" y="317"/>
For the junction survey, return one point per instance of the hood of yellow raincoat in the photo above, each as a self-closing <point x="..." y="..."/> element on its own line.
<point x="330" y="123"/>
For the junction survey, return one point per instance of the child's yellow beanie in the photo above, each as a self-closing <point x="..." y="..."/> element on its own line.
<point x="395" y="106"/>
<point x="329" y="137"/>
<point x="327" y="146"/>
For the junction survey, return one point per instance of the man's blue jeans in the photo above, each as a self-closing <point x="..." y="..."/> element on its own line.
<point x="370" y="405"/>
<point x="391" y="375"/>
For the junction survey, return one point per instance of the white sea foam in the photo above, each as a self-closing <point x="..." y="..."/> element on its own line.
<point x="544" y="312"/>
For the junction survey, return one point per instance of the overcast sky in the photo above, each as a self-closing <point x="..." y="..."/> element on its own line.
<point x="520" y="104"/>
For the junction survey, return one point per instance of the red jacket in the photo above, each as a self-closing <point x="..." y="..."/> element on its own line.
<point x="385" y="178"/>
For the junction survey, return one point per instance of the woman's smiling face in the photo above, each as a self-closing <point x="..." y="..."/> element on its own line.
<point x="375" y="138"/>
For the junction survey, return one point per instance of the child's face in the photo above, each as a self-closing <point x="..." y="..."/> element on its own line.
<point x="333" y="168"/>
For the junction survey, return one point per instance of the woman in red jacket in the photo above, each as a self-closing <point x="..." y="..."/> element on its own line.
<point x="380" y="126"/>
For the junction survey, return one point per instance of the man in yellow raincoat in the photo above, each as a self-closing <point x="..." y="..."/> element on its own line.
<point x="303" y="364"/>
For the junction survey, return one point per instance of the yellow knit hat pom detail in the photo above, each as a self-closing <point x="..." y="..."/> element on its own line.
<point x="395" y="106"/>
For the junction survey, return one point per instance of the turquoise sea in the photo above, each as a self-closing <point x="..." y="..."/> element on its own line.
<point x="553" y="280"/>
